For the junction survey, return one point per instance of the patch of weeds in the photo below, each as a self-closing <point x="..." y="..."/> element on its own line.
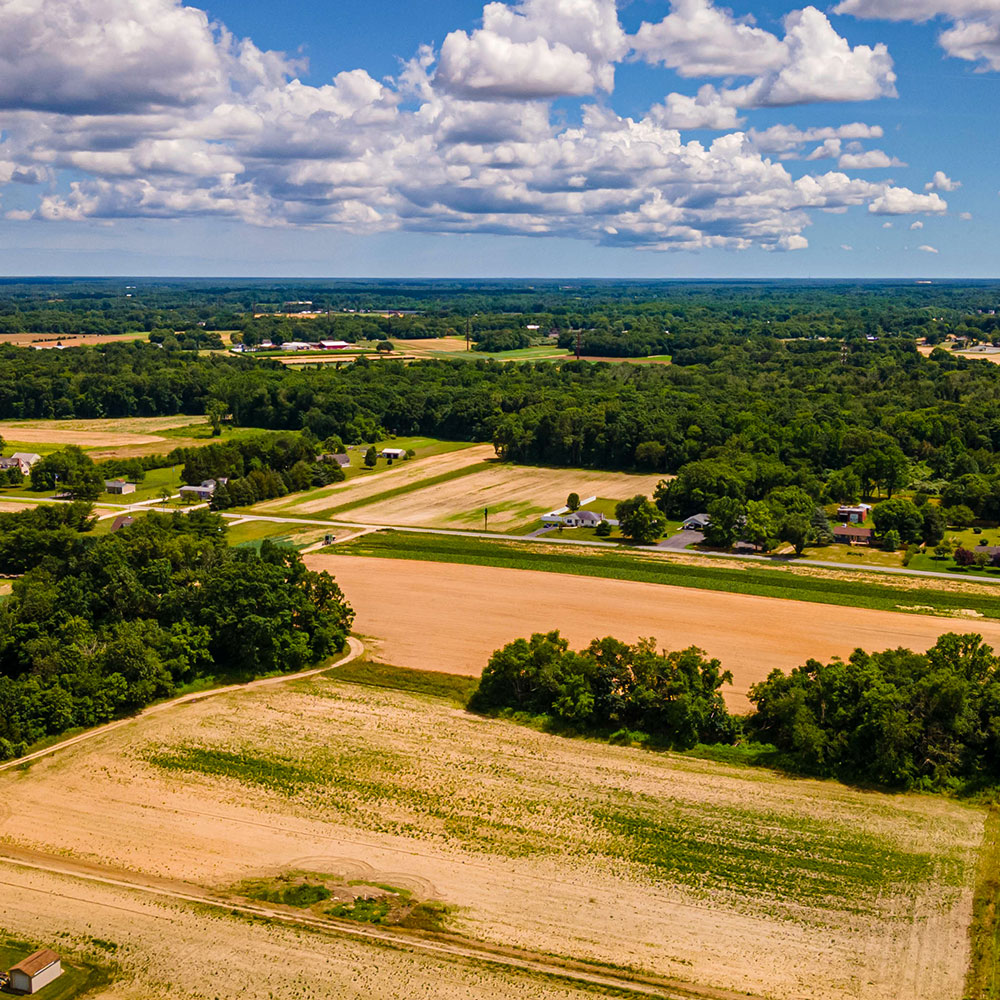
<point x="364" y="909"/>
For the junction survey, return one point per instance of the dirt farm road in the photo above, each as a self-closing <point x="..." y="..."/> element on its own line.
<point x="355" y="649"/>
<point x="448" y="947"/>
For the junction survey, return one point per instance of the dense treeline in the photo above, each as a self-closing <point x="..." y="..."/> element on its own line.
<point x="616" y="318"/>
<point x="895" y="718"/>
<point x="869" y="419"/>
<point x="898" y="718"/>
<point x="101" y="626"/>
<point x="611" y="685"/>
<point x="259" y="467"/>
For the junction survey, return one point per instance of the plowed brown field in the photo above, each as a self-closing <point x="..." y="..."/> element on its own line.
<point x="439" y="616"/>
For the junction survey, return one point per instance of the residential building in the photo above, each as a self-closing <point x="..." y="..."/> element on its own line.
<point x="392" y="453"/>
<point x="203" y="491"/>
<point x="696" y="522"/>
<point x="27" y="460"/>
<point x="851" y="534"/>
<point x="854" y="514"/>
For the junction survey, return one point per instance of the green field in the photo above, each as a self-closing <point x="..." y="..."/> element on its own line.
<point x="736" y="578"/>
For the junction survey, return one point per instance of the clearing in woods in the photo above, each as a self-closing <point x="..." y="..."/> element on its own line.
<point x="718" y="877"/>
<point x="752" y="635"/>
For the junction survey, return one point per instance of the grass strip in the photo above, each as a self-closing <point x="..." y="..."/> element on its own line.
<point x="819" y="587"/>
<point x="399" y="491"/>
<point x="983" y="979"/>
<point x="449" y="687"/>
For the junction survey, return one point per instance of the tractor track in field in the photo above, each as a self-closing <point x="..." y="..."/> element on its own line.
<point x="436" y="945"/>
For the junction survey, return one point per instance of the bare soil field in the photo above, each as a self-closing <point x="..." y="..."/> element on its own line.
<point x="516" y="495"/>
<point x="472" y="610"/>
<point x="400" y="475"/>
<point x="126" y="437"/>
<point x="728" y="879"/>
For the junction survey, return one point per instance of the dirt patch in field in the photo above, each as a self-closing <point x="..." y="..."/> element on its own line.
<point x="438" y="616"/>
<point x="515" y="495"/>
<point x="729" y="878"/>
<point x="403" y="473"/>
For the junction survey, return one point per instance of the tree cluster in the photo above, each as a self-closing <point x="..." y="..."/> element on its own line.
<point x="895" y="718"/>
<point x="611" y="685"/>
<point x="100" y="626"/>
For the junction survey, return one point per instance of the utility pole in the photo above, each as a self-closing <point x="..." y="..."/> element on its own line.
<point x="486" y="519"/>
<point x="468" y="333"/>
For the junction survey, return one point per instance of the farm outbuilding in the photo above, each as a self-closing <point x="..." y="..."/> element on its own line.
<point x="119" y="486"/>
<point x="36" y="971"/>
<point x="392" y="453"/>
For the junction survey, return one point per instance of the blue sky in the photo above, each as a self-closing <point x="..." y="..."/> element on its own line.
<point x="535" y="138"/>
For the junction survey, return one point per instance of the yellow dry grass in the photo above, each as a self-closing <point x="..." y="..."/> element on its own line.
<point x="370" y="484"/>
<point x="515" y="495"/>
<point x="511" y="827"/>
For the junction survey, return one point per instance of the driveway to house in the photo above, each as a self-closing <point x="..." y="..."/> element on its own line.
<point x="681" y="540"/>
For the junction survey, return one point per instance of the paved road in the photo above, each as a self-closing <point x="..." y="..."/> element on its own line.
<point x="652" y="549"/>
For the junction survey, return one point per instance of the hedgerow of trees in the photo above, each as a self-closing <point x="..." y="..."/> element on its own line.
<point x="897" y="718"/>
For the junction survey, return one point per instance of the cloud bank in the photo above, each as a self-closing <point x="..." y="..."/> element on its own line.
<point x="147" y="109"/>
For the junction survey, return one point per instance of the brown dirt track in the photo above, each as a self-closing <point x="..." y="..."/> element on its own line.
<point x="439" y="616"/>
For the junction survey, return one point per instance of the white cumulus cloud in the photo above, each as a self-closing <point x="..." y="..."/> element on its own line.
<point x="942" y="182"/>
<point x="535" y="49"/>
<point x="926" y="248"/>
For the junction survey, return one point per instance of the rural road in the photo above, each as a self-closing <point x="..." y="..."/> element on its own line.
<point x="355" y="649"/>
<point x="663" y="551"/>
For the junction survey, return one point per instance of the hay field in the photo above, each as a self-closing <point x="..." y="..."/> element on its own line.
<point x="401" y="475"/>
<point x="110" y="433"/>
<point x="730" y="879"/>
<point x="448" y="617"/>
<point x="517" y="495"/>
<point x="49" y="340"/>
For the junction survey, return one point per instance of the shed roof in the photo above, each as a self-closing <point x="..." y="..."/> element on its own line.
<point x="34" y="964"/>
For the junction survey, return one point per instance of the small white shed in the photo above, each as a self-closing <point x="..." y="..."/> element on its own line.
<point x="36" y="971"/>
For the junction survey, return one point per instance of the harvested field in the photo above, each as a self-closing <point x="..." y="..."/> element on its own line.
<point x="401" y="475"/>
<point x="94" y="433"/>
<point x="431" y="345"/>
<point x="728" y="879"/>
<point x="167" y="950"/>
<point x="516" y="495"/>
<point x="49" y="340"/>
<point x="474" y="610"/>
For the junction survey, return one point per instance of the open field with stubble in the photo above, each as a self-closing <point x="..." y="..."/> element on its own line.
<point x="716" y="877"/>
<point x="451" y="490"/>
<point x="472" y="610"/>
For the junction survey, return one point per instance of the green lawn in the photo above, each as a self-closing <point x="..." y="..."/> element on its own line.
<point x="818" y="586"/>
